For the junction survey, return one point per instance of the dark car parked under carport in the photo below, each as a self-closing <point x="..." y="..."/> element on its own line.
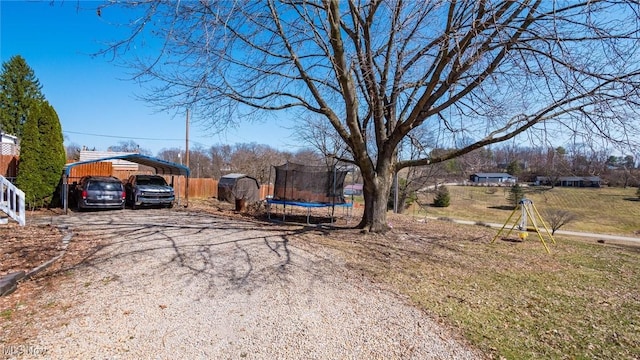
<point x="99" y="192"/>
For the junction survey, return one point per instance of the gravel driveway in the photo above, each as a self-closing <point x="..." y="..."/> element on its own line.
<point x="183" y="285"/>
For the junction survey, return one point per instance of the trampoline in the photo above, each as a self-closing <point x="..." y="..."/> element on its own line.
<point x="308" y="187"/>
<point x="346" y="206"/>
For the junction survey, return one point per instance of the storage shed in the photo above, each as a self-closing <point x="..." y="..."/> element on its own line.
<point x="234" y="187"/>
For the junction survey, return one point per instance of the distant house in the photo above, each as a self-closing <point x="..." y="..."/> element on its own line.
<point x="9" y="153"/>
<point x="9" y="144"/>
<point x="353" y="189"/>
<point x="493" y="178"/>
<point x="570" y="181"/>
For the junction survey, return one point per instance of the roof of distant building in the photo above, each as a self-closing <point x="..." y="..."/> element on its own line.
<point x="493" y="175"/>
<point x="119" y="164"/>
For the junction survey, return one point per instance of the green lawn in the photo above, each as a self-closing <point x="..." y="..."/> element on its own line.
<point x="600" y="210"/>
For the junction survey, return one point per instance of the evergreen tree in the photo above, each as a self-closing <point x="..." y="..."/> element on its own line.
<point x="515" y="195"/>
<point x="514" y="168"/>
<point x="443" y="197"/>
<point x="42" y="154"/>
<point x="52" y="156"/>
<point x="29" y="178"/>
<point x="18" y="86"/>
<point x="25" y="113"/>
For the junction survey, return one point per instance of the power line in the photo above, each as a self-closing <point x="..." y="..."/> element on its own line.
<point x="120" y="137"/>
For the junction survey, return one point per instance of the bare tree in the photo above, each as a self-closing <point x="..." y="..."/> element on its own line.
<point x="557" y="218"/>
<point x="473" y="72"/>
<point x="200" y="163"/>
<point x="322" y="136"/>
<point x="221" y="160"/>
<point x="255" y="160"/>
<point x="480" y="160"/>
<point x="129" y="146"/>
<point x="413" y="179"/>
<point x="173" y="154"/>
<point x="557" y="165"/>
<point x="73" y="151"/>
<point x="309" y="157"/>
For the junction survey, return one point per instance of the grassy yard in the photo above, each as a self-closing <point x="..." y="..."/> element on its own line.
<point x="510" y="299"/>
<point x="599" y="210"/>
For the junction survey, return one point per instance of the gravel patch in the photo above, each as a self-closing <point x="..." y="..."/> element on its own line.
<point x="182" y="285"/>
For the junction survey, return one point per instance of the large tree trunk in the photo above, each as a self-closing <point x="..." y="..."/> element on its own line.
<point x="376" y="190"/>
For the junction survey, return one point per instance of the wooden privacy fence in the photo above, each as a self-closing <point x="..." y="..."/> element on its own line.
<point x="95" y="169"/>
<point x="200" y="188"/>
<point x="103" y="168"/>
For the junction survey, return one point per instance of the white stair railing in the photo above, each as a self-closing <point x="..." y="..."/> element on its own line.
<point x="12" y="201"/>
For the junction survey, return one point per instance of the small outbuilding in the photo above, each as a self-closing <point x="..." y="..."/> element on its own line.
<point x="234" y="187"/>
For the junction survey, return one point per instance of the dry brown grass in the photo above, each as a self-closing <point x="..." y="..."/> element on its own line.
<point x="600" y="210"/>
<point x="509" y="298"/>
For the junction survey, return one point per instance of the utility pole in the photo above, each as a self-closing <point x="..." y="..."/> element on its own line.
<point x="186" y="155"/>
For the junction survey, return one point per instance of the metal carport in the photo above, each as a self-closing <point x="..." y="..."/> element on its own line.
<point x="161" y="167"/>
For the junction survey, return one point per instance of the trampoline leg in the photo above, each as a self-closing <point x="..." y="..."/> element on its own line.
<point x="268" y="206"/>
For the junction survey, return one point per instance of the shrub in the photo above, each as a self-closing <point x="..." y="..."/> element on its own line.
<point x="557" y="218"/>
<point x="443" y="197"/>
<point x="515" y="195"/>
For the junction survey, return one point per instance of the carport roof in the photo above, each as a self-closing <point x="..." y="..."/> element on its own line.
<point x="162" y="167"/>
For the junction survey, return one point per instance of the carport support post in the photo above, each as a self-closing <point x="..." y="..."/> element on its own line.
<point x="65" y="192"/>
<point x="186" y="193"/>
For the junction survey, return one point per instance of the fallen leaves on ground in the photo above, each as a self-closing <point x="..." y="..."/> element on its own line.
<point x="23" y="248"/>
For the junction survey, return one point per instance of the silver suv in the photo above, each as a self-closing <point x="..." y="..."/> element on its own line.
<point x="148" y="190"/>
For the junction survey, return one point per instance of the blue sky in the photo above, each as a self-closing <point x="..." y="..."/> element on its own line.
<point x="96" y="105"/>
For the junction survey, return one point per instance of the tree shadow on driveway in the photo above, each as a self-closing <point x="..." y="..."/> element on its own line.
<point x="186" y="248"/>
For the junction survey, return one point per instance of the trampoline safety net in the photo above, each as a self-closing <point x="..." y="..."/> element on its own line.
<point x="311" y="184"/>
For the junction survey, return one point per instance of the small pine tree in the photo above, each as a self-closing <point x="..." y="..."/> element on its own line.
<point x="443" y="197"/>
<point x="515" y="195"/>
<point x="514" y="168"/>
<point x="18" y="87"/>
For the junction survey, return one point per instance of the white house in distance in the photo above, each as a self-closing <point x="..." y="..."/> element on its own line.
<point x="9" y="144"/>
